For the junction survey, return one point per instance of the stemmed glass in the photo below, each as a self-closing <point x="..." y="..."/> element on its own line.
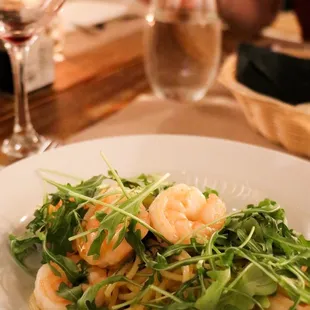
<point x="182" y="47"/>
<point x="21" y="21"/>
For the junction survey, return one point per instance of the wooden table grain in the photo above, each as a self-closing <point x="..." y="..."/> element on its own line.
<point x="101" y="75"/>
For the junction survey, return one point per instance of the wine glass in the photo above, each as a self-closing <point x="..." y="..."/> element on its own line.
<point x="182" y="47"/>
<point x="21" y="21"/>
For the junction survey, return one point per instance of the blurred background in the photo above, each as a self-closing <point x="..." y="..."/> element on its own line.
<point x="111" y="67"/>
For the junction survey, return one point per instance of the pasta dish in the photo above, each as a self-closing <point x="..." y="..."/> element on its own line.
<point x="147" y="243"/>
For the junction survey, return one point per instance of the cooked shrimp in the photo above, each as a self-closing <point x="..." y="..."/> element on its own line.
<point x="46" y="287"/>
<point x="96" y="275"/>
<point x="108" y="256"/>
<point x="281" y="302"/>
<point x="178" y="212"/>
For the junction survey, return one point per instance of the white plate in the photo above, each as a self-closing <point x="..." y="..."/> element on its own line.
<point x="242" y="173"/>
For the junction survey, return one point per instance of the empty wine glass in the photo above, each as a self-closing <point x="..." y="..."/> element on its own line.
<point x="21" y="21"/>
<point x="182" y="47"/>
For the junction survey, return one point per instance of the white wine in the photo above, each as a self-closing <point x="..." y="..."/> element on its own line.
<point x="182" y="53"/>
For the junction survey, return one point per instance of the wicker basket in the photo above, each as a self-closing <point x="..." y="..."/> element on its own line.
<point x="277" y="121"/>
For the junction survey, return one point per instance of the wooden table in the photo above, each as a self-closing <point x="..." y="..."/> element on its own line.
<point x="101" y="75"/>
<point x="90" y="84"/>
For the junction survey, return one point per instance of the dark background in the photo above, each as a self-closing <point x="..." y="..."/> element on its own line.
<point x="288" y="4"/>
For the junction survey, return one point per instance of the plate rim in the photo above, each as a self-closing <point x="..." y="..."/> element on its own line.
<point x="272" y="152"/>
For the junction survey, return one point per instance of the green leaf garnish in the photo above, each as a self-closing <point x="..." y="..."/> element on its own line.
<point x="209" y="191"/>
<point x="70" y="293"/>
<point x="90" y="294"/>
<point x="210" y="299"/>
<point x="72" y="271"/>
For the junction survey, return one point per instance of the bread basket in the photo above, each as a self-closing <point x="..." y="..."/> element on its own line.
<point x="279" y="122"/>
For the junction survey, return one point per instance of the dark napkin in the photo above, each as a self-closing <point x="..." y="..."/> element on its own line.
<point x="274" y="74"/>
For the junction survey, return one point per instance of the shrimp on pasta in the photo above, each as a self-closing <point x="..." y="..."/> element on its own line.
<point x="46" y="287"/>
<point x="108" y="256"/>
<point x="181" y="210"/>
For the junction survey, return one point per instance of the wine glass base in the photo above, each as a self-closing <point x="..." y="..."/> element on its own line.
<point x="23" y="145"/>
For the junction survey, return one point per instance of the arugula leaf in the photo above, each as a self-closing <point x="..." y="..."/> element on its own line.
<point x="62" y="224"/>
<point x="110" y="224"/>
<point x="140" y="182"/>
<point x="133" y="237"/>
<point x="264" y="301"/>
<point x="253" y="282"/>
<point x="209" y="191"/>
<point x="39" y="220"/>
<point x="143" y="180"/>
<point x="100" y="215"/>
<point x="210" y="299"/>
<point x="115" y="175"/>
<point x="57" y="227"/>
<point x="256" y="282"/>
<point x="121" y="237"/>
<point x="88" y="298"/>
<point x="176" y="249"/>
<point x="70" y="293"/>
<point x="121" y="212"/>
<point x="73" y="273"/>
<point x="95" y="248"/>
<point x="248" y="243"/>
<point x="186" y="285"/>
<point x="303" y="241"/>
<point x="287" y="243"/>
<point x="228" y="258"/>
<point x="88" y="187"/>
<point x="131" y="205"/>
<point x="247" y="225"/>
<point x="161" y="261"/>
<point x="115" y="218"/>
<point x="22" y="247"/>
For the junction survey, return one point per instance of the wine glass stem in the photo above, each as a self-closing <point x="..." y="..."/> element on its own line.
<point x="19" y="56"/>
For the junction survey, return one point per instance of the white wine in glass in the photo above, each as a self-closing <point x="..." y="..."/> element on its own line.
<point x="182" y="48"/>
<point x="21" y="21"/>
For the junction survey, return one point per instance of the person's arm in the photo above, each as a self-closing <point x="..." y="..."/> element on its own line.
<point x="248" y="16"/>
